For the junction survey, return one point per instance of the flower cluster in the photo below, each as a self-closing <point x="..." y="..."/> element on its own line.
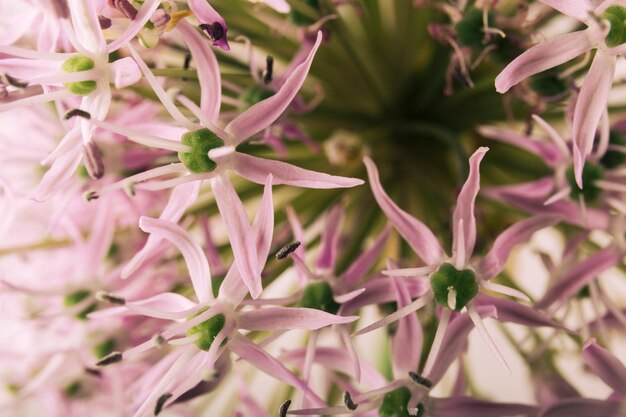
<point x="312" y="207"/>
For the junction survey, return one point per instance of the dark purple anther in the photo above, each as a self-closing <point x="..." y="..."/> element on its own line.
<point x="104" y="21"/>
<point x="124" y="7"/>
<point x="214" y="31"/>
<point x="93" y="160"/>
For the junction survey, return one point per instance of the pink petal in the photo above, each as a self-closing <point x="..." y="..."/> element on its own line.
<point x="580" y="275"/>
<point x="263" y="225"/>
<point x="269" y="365"/>
<point x="406" y="344"/>
<point x="542" y="57"/>
<point x="207" y="14"/>
<point x="256" y="170"/>
<point x="590" y="105"/>
<point x="330" y="239"/>
<point x="143" y="15"/>
<point x="192" y="252"/>
<point x="493" y="263"/>
<point x="366" y="259"/>
<point x="86" y="25"/>
<point x="464" y="210"/>
<point x="514" y="312"/>
<point x="606" y="366"/>
<point x="274" y="318"/>
<point x="583" y="407"/>
<point x="61" y="171"/>
<point x="239" y="232"/>
<point x="380" y="290"/>
<point x="578" y="9"/>
<point x="472" y="407"/>
<point x="264" y="113"/>
<point x="181" y="198"/>
<point x="417" y="235"/>
<point x="207" y="69"/>
<point x="125" y="72"/>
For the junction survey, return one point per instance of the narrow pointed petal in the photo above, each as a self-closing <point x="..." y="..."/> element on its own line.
<point x="125" y="72"/>
<point x="455" y="340"/>
<point x="380" y="290"/>
<point x="207" y="69"/>
<point x="478" y="322"/>
<point x="197" y="264"/>
<point x="263" y="114"/>
<point x="580" y="275"/>
<point x="542" y="57"/>
<point x="578" y="9"/>
<point x="606" y="366"/>
<point x="406" y="344"/>
<point x="464" y="211"/>
<point x="417" y="235"/>
<point x="61" y="171"/>
<point x="167" y="305"/>
<point x="472" y="407"/>
<point x="366" y="259"/>
<point x="396" y="315"/>
<point x="143" y="15"/>
<point x="256" y="170"/>
<point x="274" y="318"/>
<point x="297" y="230"/>
<point x="263" y="225"/>
<point x="86" y="25"/>
<point x="513" y="312"/>
<point x="545" y="150"/>
<point x="590" y="105"/>
<point x="239" y="233"/>
<point x="330" y="239"/>
<point x="207" y="14"/>
<point x="181" y="198"/>
<point x="493" y="263"/>
<point x="583" y="407"/>
<point x="269" y="365"/>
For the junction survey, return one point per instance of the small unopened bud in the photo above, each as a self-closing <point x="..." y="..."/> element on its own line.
<point x="282" y="411"/>
<point x="104" y="22"/>
<point x="347" y="400"/>
<point x="111" y="358"/>
<point x="91" y="195"/>
<point x="110" y="298"/>
<point x="160" y="18"/>
<point x="214" y="31"/>
<point x="161" y="402"/>
<point x="92" y="158"/>
<point x="269" y="69"/>
<point x="287" y="250"/>
<point x="420" y="380"/>
<point x="77" y="112"/>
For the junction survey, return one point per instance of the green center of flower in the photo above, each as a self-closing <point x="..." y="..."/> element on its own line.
<point x="590" y="192"/>
<point x="201" y="142"/>
<point x="301" y="19"/>
<point x="253" y="95"/>
<point x="471" y="29"/>
<point x="207" y="330"/>
<point x="319" y="295"/>
<point x="395" y="404"/>
<point x="616" y="15"/>
<point x="453" y="288"/>
<point x="78" y="63"/>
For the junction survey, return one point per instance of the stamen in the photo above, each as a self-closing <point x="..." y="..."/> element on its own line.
<point x="93" y="372"/>
<point x="411" y="272"/>
<point x="104" y="22"/>
<point x="159" y="341"/>
<point x="420" y="380"/>
<point x="91" y="195"/>
<point x="282" y="411"/>
<point x="14" y="82"/>
<point x="186" y="65"/>
<point x="556" y="138"/>
<point x="503" y="289"/>
<point x="110" y="298"/>
<point x="214" y="31"/>
<point x="93" y="160"/>
<point x="347" y="400"/>
<point x="558" y="196"/>
<point x="397" y="315"/>
<point x="161" y="402"/>
<point x="111" y="358"/>
<point x="77" y="112"/>
<point x="478" y="322"/>
<point x="40" y="98"/>
<point x="451" y="298"/>
<point x="269" y="69"/>
<point x="460" y="247"/>
<point x="287" y="250"/>
<point x="439" y="334"/>
<point x="124" y="7"/>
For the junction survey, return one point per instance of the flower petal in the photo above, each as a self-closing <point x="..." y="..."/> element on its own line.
<point x="125" y="72"/>
<point x="192" y="252"/>
<point x="256" y="170"/>
<point x="493" y="263"/>
<point x="406" y="344"/>
<point x="143" y="15"/>
<point x="583" y="407"/>
<point x="542" y="57"/>
<point x="578" y="9"/>
<point x="464" y="211"/>
<point x="263" y="225"/>
<point x="330" y="239"/>
<point x="472" y="407"/>
<point x="207" y="69"/>
<point x="274" y="318"/>
<point x="366" y="259"/>
<point x="513" y="312"/>
<point x="239" y="232"/>
<point x="590" y="105"/>
<point x="264" y="113"/>
<point x="606" y="366"/>
<point x="417" y="235"/>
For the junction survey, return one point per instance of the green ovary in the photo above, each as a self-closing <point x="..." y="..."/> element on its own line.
<point x="207" y="330"/>
<point x="395" y="404"/>
<point x="201" y="142"/>
<point x="319" y="296"/>
<point x="447" y="277"/>
<point x="79" y="63"/>
<point x="616" y="15"/>
<point x="253" y="95"/>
